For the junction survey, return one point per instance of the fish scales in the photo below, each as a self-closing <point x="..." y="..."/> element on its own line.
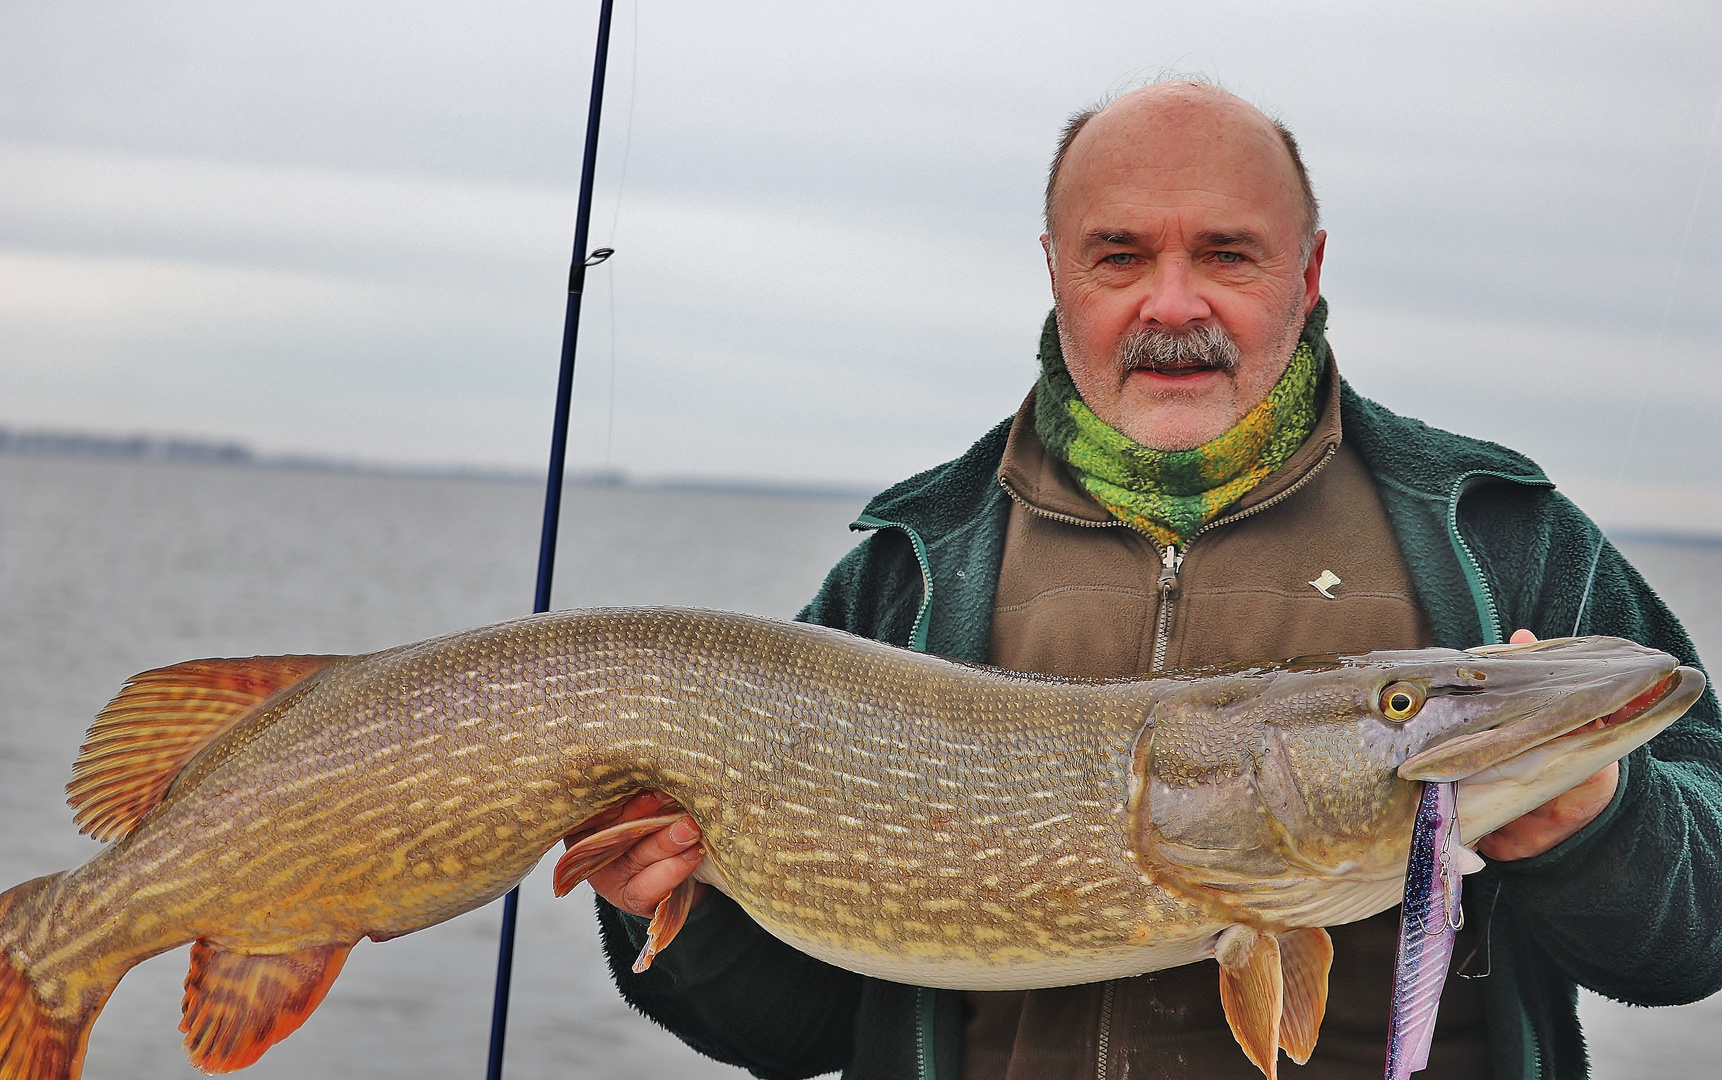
<point x="888" y="811"/>
<point x="878" y="803"/>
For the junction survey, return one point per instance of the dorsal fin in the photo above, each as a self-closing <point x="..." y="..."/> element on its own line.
<point x="157" y="723"/>
<point x="238" y="1005"/>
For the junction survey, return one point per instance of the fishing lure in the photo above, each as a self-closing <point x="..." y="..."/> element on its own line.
<point x="1429" y="923"/>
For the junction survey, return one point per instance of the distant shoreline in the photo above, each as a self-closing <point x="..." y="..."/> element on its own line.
<point x="177" y="450"/>
<point x="181" y="450"/>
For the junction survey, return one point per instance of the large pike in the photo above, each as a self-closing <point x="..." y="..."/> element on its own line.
<point x="890" y="812"/>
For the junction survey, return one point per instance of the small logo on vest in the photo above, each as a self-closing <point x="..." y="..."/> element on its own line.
<point x="1324" y="581"/>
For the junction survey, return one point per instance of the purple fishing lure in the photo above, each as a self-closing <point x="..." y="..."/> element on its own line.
<point x="1429" y="924"/>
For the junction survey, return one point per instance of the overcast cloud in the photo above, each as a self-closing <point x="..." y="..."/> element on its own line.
<point x="341" y="228"/>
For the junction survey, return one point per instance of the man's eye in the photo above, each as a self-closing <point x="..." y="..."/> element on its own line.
<point x="1120" y="258"/>
<point x="1228" y="257"/>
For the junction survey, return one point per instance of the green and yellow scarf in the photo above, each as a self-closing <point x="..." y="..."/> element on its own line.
<point x="1170" y="494"/>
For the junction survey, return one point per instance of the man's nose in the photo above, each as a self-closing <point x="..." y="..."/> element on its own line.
<point x="1173" y="299"/>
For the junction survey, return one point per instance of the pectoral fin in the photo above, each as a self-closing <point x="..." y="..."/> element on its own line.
<point x="1252" y="992"/>
<point x="603" y="848"/>
<point x="667" y="921"/>
<point x="238" y="1005"/>
<point x="1305" y="958"/>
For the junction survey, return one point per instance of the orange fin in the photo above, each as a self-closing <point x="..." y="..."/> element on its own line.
<point x="238" y="1005"/>
<point x="603" y="848"/>
<point x="667" y="922"/>
<point x="158" y="723"/>
<point x="38" y="1042"/>
<point x="1305" y="958"/>
<point x="1252" y="993"/>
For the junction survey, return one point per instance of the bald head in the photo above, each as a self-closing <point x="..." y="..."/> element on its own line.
<point x="1179" y="123"/>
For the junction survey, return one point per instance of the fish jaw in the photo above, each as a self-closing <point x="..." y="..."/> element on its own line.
<point x="1563" y="684"/>
<point x="1509" y="789"/>
<point x="1516" y="765"/>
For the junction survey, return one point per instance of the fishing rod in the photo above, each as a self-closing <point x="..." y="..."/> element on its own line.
<point x="553" y="481"/>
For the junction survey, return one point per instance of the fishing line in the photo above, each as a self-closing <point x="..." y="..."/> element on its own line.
<point x="610" y="412"/>
<point x="1655" y="351"/>
<point x="621" y="186"/>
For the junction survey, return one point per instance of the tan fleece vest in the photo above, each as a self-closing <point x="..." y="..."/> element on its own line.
<point x="1081" y="594"/>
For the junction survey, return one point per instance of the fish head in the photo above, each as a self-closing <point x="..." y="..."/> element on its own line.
<point x="1580" y="703"/>
<point x="1289" y="789"/>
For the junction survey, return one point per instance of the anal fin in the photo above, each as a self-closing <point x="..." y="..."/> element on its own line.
<point x="667" y="921"/>
<point x="238" y="1005"/>
<point x="604" y="847"/>
<point x="1306" y="956"/>
<point x="1252" y="992"/>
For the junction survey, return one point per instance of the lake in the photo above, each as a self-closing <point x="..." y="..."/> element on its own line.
<point x="108" y="568"/>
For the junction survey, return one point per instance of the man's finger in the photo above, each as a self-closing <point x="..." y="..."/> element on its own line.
<point x="641" y="891"/>
<point x="667" y="843"/>
<point x="676" y="847"/>
<point x="645" y="890"/>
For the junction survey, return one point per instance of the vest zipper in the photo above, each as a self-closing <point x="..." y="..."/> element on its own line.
<point x="1054" y="515"/>
<point x="1101" y="1063"/>
<point x="1172" y="560"/>
<point x="926" y="1066"/>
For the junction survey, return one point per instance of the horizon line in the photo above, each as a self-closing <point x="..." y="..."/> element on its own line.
<point x="235" y="453"/>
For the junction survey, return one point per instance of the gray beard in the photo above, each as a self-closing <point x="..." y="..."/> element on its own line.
<point x="1208" y="346"/>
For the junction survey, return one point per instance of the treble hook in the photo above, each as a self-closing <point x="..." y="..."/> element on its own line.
<point x="1446" y="874"/>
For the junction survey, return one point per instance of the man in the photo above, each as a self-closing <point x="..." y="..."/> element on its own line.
<point x="1191" y="482"/>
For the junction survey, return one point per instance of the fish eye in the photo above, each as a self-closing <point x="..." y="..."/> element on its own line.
<point x="1400" y="701"/>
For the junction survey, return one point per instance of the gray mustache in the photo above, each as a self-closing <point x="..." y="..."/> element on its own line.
<point x="1207" y="345"/>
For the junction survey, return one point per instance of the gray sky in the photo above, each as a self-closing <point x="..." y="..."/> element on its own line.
<point x="343" y="228"/>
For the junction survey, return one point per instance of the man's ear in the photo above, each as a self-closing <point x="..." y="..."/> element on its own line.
<point x="1312" y="272"/>
<point x="1046" y="246"/>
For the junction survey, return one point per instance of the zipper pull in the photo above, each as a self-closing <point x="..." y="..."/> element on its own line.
<point x="1170" y="561"/>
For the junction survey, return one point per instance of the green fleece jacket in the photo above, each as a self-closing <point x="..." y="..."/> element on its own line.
<point x="1627" y="907"/>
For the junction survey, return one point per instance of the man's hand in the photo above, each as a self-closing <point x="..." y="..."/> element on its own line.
<point x="1557" y="819"/>
<point x="651" y="869"/>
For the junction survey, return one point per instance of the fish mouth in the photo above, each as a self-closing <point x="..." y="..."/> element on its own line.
<point x="1529" y="755"/>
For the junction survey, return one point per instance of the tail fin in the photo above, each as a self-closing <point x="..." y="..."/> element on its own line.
<point x="39" y="1040"/>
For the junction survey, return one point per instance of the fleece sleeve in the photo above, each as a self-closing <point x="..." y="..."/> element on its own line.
<point x="735" y="993"/>
<point x="1627" y="907"/>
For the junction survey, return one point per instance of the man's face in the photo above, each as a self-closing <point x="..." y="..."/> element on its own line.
<point x="1177" y="225"/>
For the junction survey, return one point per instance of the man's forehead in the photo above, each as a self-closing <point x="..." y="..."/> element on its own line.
<point x="1173" y="144"/>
